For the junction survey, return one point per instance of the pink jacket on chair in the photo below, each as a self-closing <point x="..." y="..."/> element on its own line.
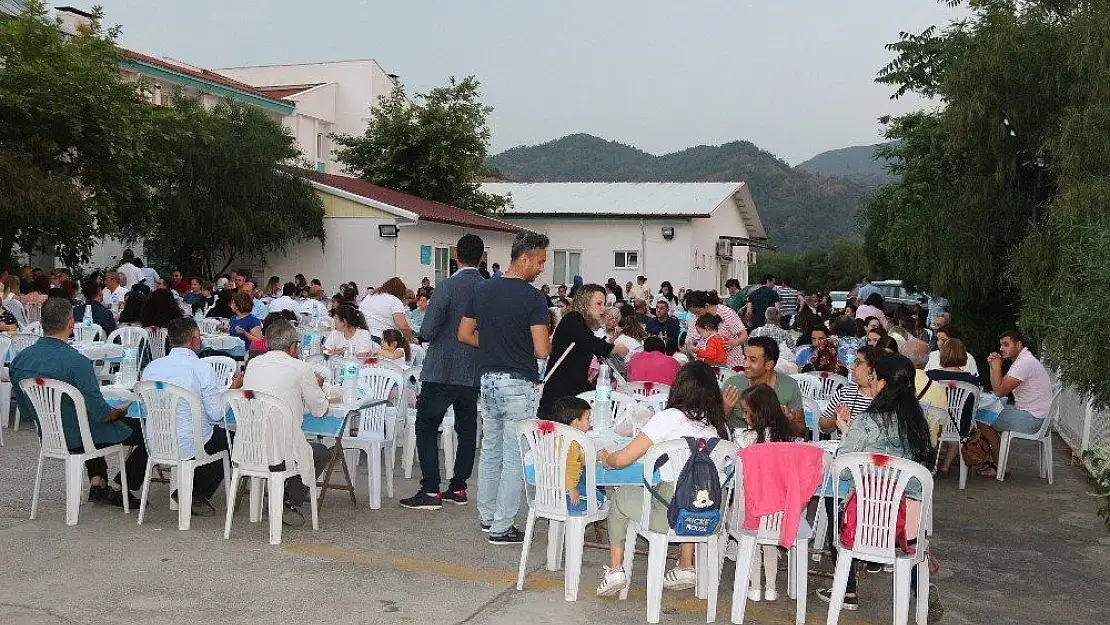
<point x="780" y="477"/>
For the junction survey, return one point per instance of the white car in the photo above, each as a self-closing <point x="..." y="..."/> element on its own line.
<point x="839" y="300"/>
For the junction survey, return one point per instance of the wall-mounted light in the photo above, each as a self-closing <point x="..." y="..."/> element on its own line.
<point x="668" y="233"/>
<point x="387" y="231"/>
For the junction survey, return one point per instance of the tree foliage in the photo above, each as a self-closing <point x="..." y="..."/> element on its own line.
<point x="224" y="193"/>
<point x="1009" y="226"/>
<point x="838" y="267"/>
<point x="434" y="147"/>
<point x="73" y="150"/>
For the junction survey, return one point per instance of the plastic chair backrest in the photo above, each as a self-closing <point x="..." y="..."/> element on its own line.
<point x="88" y="334"/>
<point x="224" y="367"/>
<point x="257" y="441"/>
<point x="617" y="402"/>
<point x="678" y="452"/>
<point x="958" y="394"/>
<point x="644" y="389"/>
<point x="46" y="397"/>
<point x="1046" y="423"/>
<point x="210" y="326"/>
<point x="35" y="327"/>
<point x="549" y="446"/>
<point x="880" y="482"/>
<point x="157" y="342"/>
<point x="32" y="312"/>
<point x="161" y="401"/>
<point x="5" y="345"/>
<point x="130" y="337"/>
<point x="376" y="423"/>
<point x="770" y="525"/>
<point x="819" y="384"/>
<point x="22" y="341"/>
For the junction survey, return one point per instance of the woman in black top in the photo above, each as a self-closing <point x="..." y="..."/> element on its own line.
<point x="578" y="327"/>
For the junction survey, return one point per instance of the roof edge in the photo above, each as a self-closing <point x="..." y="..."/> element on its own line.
<point x="365" y="201"/>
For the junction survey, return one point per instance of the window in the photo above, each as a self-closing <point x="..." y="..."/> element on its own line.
<point x="626" y="260"/>
<point x="566" y="264"/>
<point x="442" y="264"/>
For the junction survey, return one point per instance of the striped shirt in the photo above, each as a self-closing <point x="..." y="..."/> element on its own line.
<point x="857" y="402"/>
<point x="789" y="299"/>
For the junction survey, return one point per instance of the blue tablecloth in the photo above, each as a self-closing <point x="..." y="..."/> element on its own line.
<point x="632" y="475"/>
<point x="327" y="425"/>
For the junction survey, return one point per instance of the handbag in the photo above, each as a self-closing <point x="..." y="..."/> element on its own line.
<point x="848" y="525"/>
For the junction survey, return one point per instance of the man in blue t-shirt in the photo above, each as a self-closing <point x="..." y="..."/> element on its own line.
<point x="507" y="321"/>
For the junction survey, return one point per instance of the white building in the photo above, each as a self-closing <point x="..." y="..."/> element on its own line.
<point x="695" y="235"/>
<point x="374" y="233"/>
<point x="334" y="97"/>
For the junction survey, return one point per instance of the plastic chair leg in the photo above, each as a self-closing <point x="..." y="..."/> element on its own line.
<point x="314" y="504"/>
<point x="963" y="466"/>
<point x="801" y="583"/>
<point x="74" y="464"/>
<point x="185" y="494"/>
<point x="408" y="452"/>
<point x="1003" y="456"/>
<point x="15" y="418"/>
<point x="901" y="592"/>
<point x="234" y="488"/>
<point x="123" y="481"/>
<point x="276" y="487"/>
<point x="574" y="538"/>
<point x="656" y="568"/>
<point x="374" y="476"/>
<point x="1047" y="463"/>
<point x="839" y="586"/>
<point x="529" y="534"/>
<point x="256" y="499"/>
<point x="227" y="483"/>
<point x="741" y="578"/>
<point x="388" y="473"/>
<point x="38" y="486"/>
<point x="555" y="531"/>
<point x="922" y="592"/>
<point x="712" y="577"/>
<point x="629" y="557"/>
<point x="701" y="570"/>
<point x="820" y="528"/>
<point x="145" y="492"/>
<point x="173" y="487"/>
<point x="447" y="442"/>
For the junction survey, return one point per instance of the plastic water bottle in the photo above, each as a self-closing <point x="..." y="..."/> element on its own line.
<point x="115" y="305"/>
<point x="603" y="399"/>
<point x="315" y="316"/>
<point x="350" y="376"/>
<point x="86" y="318"/>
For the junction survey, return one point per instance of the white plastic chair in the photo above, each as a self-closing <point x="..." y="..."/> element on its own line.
<point x="134" y="338"/>
<point x="34" y="327"/>
<point x="879" y="490"/>
<point x="819" y="384"/>
<point x="19" y="342"/>
<point x="210" y="326"/>
<point x="708" y="547"/>
<point x="88" y="334"/>
<point x="255" y="414"/>
<point x="548" y="446"/>
<point x="644" y="389"/>
<point x="1043" y="437"/>
<point x="377" y="427"/>
<point x="770" y="529"/>
<point x="5" y="388"/>
<point x="32" y="312"/>
<point x="224" y="367"/>
<point x="618" y="402"/>
<point x="959" y="395"/>
<point x="157" y="342"/>
<point x="161" y="401"/>
<point x="46" y="397"/>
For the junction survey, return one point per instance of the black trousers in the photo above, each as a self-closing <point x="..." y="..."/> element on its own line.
<point x="431" y="406"/>
<point x="296" y="491"/>
<point x="207" y="478"/>
<point x="136" y="460"/>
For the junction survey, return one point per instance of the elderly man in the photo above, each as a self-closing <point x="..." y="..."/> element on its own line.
<point x="114" y="292"/>
<point x="773" y="328"/>
<point x="182" y="366"/>
<point x="51" y="357"/>
<point x="279" y="372"/>
<point x="1028" y="381"/>
<point x="918" y="353"/>
<point x="760" y="355"/>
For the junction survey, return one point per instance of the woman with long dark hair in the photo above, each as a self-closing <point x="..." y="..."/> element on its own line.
<point x="893" y="425"/>
<point x="695" y="408"/>
<point x="133" y="305"/>
<point x="666" y="294"/>
<point x="161" y="308"/>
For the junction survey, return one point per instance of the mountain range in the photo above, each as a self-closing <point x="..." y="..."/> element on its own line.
<point x="802" y="208"/>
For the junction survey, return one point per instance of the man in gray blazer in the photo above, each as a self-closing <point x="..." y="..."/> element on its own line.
<point x="449" y="379"/>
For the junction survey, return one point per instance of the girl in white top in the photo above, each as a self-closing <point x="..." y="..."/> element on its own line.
<point x="384" y="309"/>
<point x="350" y="331"/>
<point x="767" y="423"/>
<point x="394" y="347"/>
<point x="632" y="336"/>
<point x="694" y="408"/>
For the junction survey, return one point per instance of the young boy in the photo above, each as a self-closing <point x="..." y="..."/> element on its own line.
<point x="575" y="412"/>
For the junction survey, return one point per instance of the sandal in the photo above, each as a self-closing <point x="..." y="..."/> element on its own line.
<point x="987" y="471"/>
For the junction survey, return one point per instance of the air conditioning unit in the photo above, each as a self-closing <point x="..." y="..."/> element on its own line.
<point x="724" y="248"/>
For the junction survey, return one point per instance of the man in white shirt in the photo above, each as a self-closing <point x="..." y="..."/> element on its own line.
<point x="132" y="275"/>
<point x="280" y="373"/>
<point x="310" y="304"/>
<point x="182" y="367"/>
<point x="150" y="276"/>
<point x="1030" y="385"/>
<point x="286" y="301"/>
<point x="114" y="293"/>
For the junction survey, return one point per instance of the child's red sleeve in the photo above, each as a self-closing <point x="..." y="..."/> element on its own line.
<point x="714" y="352"/>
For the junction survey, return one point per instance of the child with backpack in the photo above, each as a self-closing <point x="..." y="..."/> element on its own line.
<point x="575" y="412"/>
<point x="695" y="409"/>
<point x="767" y="423"/>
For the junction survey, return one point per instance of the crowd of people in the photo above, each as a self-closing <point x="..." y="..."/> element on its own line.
<point x="489" y="339"/>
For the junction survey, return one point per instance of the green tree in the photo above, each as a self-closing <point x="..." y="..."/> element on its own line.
<point x="73" y="149"/>
<point x="835" y="268"/>
<point x="434" y="147"/>
<point x="1012" y="226"/>
<point x="225" y="192"/>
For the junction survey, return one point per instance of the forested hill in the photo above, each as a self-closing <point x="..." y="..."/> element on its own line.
<point x="799" y="209"/>
<point x="857" y="163"/>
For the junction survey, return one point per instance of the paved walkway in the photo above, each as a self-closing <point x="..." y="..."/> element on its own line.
<point x="1016" y="552"/>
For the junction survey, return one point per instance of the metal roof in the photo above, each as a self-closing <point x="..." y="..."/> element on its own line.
<point x="629" y="199"/>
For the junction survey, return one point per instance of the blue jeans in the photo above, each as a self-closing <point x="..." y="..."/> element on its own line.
<point x="583" y="501"/>
<point x="1014" y="420"/>
<point x="507" y="400"/>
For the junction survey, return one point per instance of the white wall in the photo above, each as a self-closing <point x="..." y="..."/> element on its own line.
<point x="412" y="237"/>
<point x="354" y="251"/>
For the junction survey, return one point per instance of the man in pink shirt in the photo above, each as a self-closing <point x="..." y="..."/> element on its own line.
<point x="653" y="364"/>
<point x="1030" y="385"/>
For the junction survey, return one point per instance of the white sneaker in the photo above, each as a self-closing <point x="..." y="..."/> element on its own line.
<point x="754" y="594"/>
<point x="771" y="594"/>
<point x="612" y="582"/>
<point x="680" y="579"/>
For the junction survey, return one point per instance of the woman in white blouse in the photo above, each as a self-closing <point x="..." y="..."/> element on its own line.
<point x="385" y="309"/>
<point x="350" y="331"/>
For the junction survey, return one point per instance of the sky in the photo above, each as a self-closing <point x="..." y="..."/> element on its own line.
<point x="794" y="77"/>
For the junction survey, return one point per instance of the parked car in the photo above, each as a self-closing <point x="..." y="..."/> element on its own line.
<point x="894" y="294"/>
<point x="839" y="300"/>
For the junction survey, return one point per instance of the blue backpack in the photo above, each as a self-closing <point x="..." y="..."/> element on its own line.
<point x="695" y="509"/>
